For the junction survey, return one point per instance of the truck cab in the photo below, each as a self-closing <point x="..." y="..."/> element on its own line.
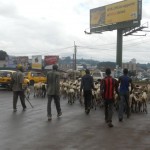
<point x="98" y="75"/>
<point x="35" y="77"/>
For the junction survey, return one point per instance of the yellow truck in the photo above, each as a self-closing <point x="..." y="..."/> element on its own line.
<point x="35" y="77"/>
<point x="5" y="78"/>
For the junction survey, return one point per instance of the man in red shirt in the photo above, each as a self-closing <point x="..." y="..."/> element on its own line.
<point x="107" y="87"/>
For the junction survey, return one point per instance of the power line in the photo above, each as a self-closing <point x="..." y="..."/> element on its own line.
<point x="45" y="52"/>
<point x="115" y="43"/>
<point x="126" y="45"/>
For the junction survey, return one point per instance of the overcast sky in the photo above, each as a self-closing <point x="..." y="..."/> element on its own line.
<point x="50" y="27"/>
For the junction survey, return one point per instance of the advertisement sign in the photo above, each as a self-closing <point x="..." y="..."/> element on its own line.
<point x="37" y="62"/>
<point x="50" y="60"/>
<point x="97" y="17"/>
<point x="121" y="11"/>
<point x="11" y="62"/>
<point x="23" y="60"/>
<point x="114" y="13"/>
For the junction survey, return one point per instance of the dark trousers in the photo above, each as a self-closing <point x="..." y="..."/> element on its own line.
<point x="87" y="99"/>
<point x="124" y="105"/>
<point x="57" y="103"/>
<point x="108" y="110"/>
<point x="15" y="99"/>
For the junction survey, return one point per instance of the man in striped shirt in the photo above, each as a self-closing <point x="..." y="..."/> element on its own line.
<point x="108" y="86"/>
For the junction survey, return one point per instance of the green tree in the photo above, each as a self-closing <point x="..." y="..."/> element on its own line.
<point x="3" y="55"/>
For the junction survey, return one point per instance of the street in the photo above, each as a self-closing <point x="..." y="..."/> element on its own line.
<point x="74" y="130"/>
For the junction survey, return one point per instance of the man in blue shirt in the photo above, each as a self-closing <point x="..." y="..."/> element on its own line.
<point x="87" y="85"/>
<point x="125" y="81"/>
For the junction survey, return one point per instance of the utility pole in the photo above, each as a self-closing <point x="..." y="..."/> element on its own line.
<point x="73" y="63"/>
<point x="75" y="52"/>
<point x="119" y="47"/>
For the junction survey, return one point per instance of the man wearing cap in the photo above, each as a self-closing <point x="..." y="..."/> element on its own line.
<point x="17" y="82"/>
<point x="53" y="91"/>
<point x="87" y="85"/>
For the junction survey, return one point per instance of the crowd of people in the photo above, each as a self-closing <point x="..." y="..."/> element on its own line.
<point x="108" y="86"/>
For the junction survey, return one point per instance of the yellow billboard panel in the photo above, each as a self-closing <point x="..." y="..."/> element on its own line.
<point x="126" y="10"/>
<point x="37" y="62"/>
<point x="121" y="11"/>
<point x="97" y="17"/>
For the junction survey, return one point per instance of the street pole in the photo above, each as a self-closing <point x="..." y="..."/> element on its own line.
<point x="73" y="63"/>
<point x="75" y="51"/>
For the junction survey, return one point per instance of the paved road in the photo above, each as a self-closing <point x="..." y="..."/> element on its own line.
<point x="75" y="130"/>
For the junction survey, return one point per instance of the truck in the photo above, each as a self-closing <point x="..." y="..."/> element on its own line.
<point x="98" y="75"/>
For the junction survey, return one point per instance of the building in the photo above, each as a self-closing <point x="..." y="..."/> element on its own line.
<point x="131" y="65"/>
<point x="2" y="63"/>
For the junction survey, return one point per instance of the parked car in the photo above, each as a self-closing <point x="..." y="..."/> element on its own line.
<point x="5" y="78"/>
<point x="35" y="77"/>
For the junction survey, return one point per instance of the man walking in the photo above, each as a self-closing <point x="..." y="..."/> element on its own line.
<point x="125" y="81"/>
<point x="108" y="87"/>
<point x="17" y="87"/>
<point x="87" y="85"/>
<point x="53" y="91"/>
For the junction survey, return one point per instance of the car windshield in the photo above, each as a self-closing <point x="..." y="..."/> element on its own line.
<point x="96" y="74"/>
<point x="5" y="74"/>
<point x="104" y="74"/>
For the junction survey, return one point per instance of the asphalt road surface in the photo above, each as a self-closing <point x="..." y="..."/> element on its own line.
<point x="75" y="130"/>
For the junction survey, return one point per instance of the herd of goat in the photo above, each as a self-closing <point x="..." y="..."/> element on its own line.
<point x="70" y="90"/>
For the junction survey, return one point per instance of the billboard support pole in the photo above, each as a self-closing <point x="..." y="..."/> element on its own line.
<point x="119" y="47"/>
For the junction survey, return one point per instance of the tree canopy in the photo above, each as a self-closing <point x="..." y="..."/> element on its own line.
<point x="3" y="55"/>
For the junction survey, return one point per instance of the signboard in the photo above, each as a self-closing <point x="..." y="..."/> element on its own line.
<point x="11" y="62"/>
<point x="23" y="60"/>
<point x="50" y="60"/>
<point x="97" y="17"/>
<point x="120" y="12"/>
<point x="37" y="62"/>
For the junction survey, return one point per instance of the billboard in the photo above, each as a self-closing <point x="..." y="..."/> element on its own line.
<point x="50" y="60"/>
<point x="97" y="17"/>
<point x="23" y="60"/>
<point x="11" y="62"/>
<point x="123" y="11"/>
<point x="37" y="62"/>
